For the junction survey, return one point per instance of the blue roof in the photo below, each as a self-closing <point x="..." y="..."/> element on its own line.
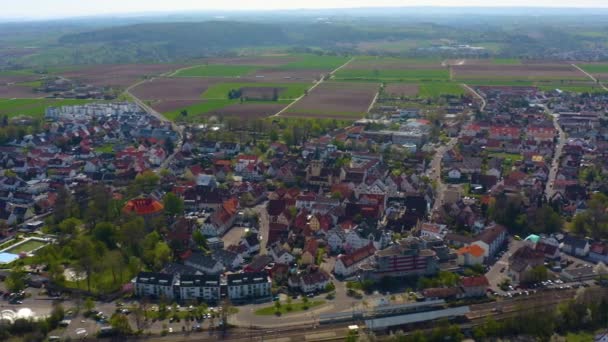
<point x="6" y="258"/>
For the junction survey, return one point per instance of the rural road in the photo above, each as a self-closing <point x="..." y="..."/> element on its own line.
<point x="590" y="76"/>
<point x="162" y="118"/>
<point x="313" y="87"/>
<point x="434" y="171"/>
<point x="557" y="153"/>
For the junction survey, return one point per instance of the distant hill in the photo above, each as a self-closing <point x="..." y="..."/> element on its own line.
<point x="187" y="36"/>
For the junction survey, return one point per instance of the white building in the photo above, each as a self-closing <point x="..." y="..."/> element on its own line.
<point x="156" y="285"/>
<point x="199" y="287"/>
<point x="242" y="286"/>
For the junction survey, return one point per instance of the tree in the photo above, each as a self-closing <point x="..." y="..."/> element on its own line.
<point x="146" y="182"/>
<point x="106" y="233"/>
<point x="273" y="135"/>
<point x="120" y="323"/>
<point x="162" y="255"/>
<point x="173" y="204"/>
<point x="15" y="281"/>
<point x="199" y="239"/>
<point x="89" y="304"/>
<point x="131" y="233"/>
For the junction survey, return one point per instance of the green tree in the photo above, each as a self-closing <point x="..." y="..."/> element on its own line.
<point x="162" y="255"/>
<point x="121" y="325"/>
<point x="107" y="233"/>
<point x="199" y="239"/>
<point x="146" y="182"/>
<point x="15" y="281"/>
<point x="173" y="204"/>
<point x="131" y="235"/>
<point x="89" y="304"/>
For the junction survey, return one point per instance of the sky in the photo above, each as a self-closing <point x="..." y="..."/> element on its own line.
<point x="70" y="8"/>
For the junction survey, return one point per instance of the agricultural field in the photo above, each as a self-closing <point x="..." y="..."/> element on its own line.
<point x="174" y="88"/>
<point x="197" y="109"/>
<point x="314" y="62"/>
<point x="423" y="89"/>
<point x="226" y="108"/>
<point x="401" y="89"/>
<point x="598" y="70"/>
<point x="257" y="61"/>
<point x="33" y="107"/>
<point x="215" y="70"/>
<point x="118" y="76"/>
<point x="393" y="69"/>
<point x="404" y="75"/>
<point x="337" y="100"/>
<point x="286" y="90"/>
<point x="19" y="84"/>
<point x="436" y="89"/>
<point x="517" y="73"/>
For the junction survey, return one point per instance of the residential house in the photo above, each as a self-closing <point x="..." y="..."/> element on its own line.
<point x="204" y="263"/>
<point x="491" y="239"/>
<point x="575" y="246"/>
<point x="309" y="253"/>
<point x="470" y="255"/>
<point x="598" y="252"/>
<point x="348" y="264"/>
<point x="523" y="261"/>
<point x="313" y="281"/>
<point x="281" y="255"/>
<point x="474" y="286"/>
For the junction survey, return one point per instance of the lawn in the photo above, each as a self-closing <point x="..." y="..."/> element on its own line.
<point x="295" y="307"/>
<point x="315" y="62"/>
<point x="26" y="247"/>
<point x="394" y="74"/>
<point x="34" y="107"/>
<point x="290" y="90"/>
<point x="105" y="149"/>
<point x="580" y="337"/>
<point x="216" y="70"/>
<point x="509" y="157"/>
<point x="436" y="89"/>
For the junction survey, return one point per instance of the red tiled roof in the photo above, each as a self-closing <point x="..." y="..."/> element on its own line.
<point x="357" y="255"/>
<point x="474" y="250"/>
<point x="143" y="206"/>
<point x="474" y="281"/>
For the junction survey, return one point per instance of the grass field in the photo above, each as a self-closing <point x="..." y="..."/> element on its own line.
<point x="509" y="157"/>
<point x="290" y="90"/>
<point x="26" y="247"/>
<point x="580" y="337"/>
<point x="436" y="89"/>
<point x="34" y="107"/>
<point x="506" y="61"/>
<point x="594" y="68"/>
<point x="295" y="307"/>
<point x="216" y="70"/>
<point x="315" y="62"/>
<point x="394" y="74"/>
<point x="104" y="149"/>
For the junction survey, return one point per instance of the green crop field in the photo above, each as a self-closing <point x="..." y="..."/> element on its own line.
<point x="394" y="74"/>
<point x="436" y="89"/>
<point x="594" y="68"/>
<point x="216" y="70"/>
<point x="314" y="62"/>
<point x="34" y="107"/>
<point x="290" y="90"/>
<point x="506" y="61"/>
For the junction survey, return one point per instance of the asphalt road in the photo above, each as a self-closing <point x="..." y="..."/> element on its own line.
<point x="549" y="187"/>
